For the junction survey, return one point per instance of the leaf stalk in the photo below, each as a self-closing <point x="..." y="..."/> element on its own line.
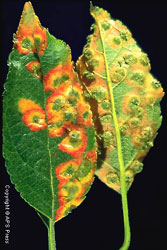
<point x="51" y="236"/>
<point x="127" y="233"/>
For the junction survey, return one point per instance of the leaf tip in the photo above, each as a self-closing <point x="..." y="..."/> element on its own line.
<point x="98" y="13"/>
<point x="91" y="5"/>
<point x="28" y="14"/>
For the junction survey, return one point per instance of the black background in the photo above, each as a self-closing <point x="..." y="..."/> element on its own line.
<point x="97" y="223"/>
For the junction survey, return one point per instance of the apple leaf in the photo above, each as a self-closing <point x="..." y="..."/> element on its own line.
<point x="124" y="98"/>
<point x="49" y="139"/>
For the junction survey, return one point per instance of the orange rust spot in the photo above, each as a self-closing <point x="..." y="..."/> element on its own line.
<point x="92" y="155"/>
<point x="25" y="43"/>
<point x="134" y="84"/>
<point x="125" y="103"/>
<point x="71" y="90"/>
<point x="58" y="76"/>
<point x="64" y="209"/>
<point x="34" y="68"/>
<point x="29" y="26"/>
<point x="64" y="170"/>
<point x="139" y="67"/>
<point x="26" y="104"/>
<point x="60" y="210"/>
<point x="72" y="146"/>
<point x="35" y="119"/>
<point x="88" y="179"/>
<point x="72" y="190"/>
<point x="84" y="116"/>
<point x="69" y="197"/>
<point x="72" y="184"/>
<point x="77" y="86"/>
<point x="40" y="40"/>
<point x="156" y="93"/>
<point x="74" y="93"/>
<point x="55" y="104"/>
<point x="33" y="114"/>
<point x="102" y="174"/>
<point x="117" y="74"/>
<point x="54" y="131"/>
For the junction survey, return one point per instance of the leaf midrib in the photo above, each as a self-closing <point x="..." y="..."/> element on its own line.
<point x="48" y="148"/>
<point x="118" y="136"/>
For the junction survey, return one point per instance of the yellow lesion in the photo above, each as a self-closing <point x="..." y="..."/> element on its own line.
<point x="75" y="143"/>
<point x="61" y="75"/>
<point x="55" y="107"/>
<point x="131" y="101"/>
<point x="68" y="170"/>
<point x="63" y="210"/>
<point x="27" y="104"/>
<point x="55" y="131"/>
<point x="35" y="119"/>
<point x="40" y="40"/>
<point x="109" y="176"/>
<point x="138" y="66"/>
<point x="84" y="115"/>
<point x="74" y="177"/>
<point x="56" y="77"/>
<point x="110" y="29"/>
<point x="26" y="44"/>
<point x="34" y="68"/>
<point x="29" y="27"/>
<point x="28" y="15"/>
<point x="72" y="190"/>
<point x="88" y="178"/>
<point x="117" y="74"/>
<point x="33" y="115"/>
<point x="154" y="92"/>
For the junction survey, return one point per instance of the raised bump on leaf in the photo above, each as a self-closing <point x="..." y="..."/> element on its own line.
<point x="34" y="68"/>
<point x="59" y="75"/>
<point x="33" y="114"/>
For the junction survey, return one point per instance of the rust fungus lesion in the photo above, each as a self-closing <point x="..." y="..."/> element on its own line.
<point x="33" y="116"/>
<point x="30" y="36"/>
<point x="35" y="119"/>
<point x="69" y="115"/>
<point x="34" y="68"/>
<point x="66" y="115"/>
<point x="75" y="143"/>
<point x="59" y="76"/>
<point x="66" y="171"/>
<point x="75" y="176"/>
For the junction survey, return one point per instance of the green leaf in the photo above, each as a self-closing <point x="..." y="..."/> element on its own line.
<point x="124" y="98"/>
<point x="49" y="143"/>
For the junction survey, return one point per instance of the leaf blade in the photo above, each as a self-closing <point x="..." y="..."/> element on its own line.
<point x="37" y="130"/>
<point x="116" y="79"/>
